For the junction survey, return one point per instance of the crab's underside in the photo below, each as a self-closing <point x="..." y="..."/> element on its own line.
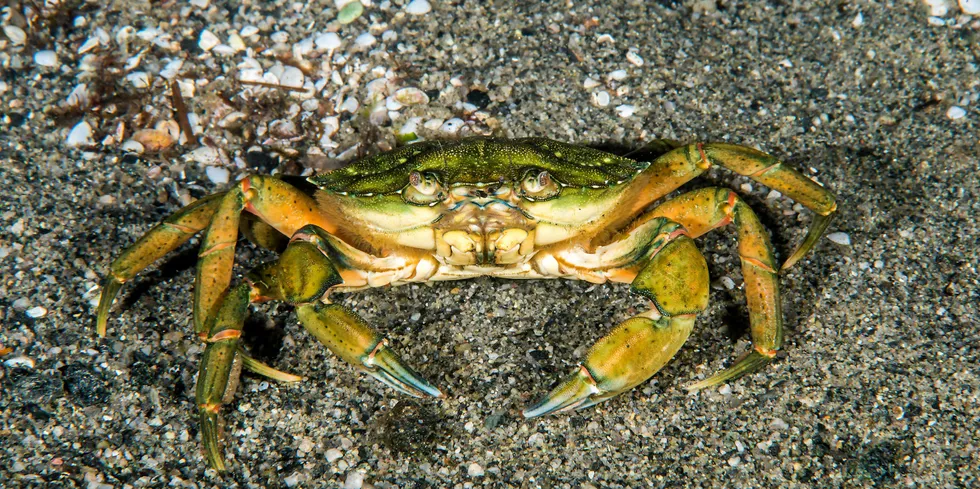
<point x="527" y="208"/>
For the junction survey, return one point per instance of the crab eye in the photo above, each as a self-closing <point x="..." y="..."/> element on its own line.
<point x="539" y="186"/>
<point x="423" y="188"/>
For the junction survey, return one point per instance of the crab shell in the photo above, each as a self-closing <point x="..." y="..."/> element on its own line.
<point x="524" y="208"/>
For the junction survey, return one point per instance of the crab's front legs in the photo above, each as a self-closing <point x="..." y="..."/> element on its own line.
<point x="676" y="281"/>
<point x="301" y="276"/>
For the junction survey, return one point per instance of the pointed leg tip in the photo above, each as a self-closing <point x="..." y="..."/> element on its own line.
<point x="209" y="437"/>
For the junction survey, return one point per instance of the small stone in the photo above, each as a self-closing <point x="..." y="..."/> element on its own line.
<point x="36" y="312"/>
<point x="625" y="111"/>
<point x="249" y="30"/>
<point x="328" y="41"/>
<point x="16" y="35"/>
<point x="169" y="72"/>
<point x="734" y="461"/>
<point x="80" y="135"/>
<point x="217" y="174"/>
<point x="208" y="40"/>
<point x="236" y="43"/>
<point x="333" y="454"/>
<point x="350" y="12"/>
<point x="17" y="229"/>
<point x="418" y="7"/>
<point x="634" y="58"/>
<point x="840" y="238"/>
<point x="725" y="390"/>
<point x="955" y="112"/>
<point x="411" y="96"/>
<point x="19" y="361"/>
<point x="46" y="58"/>
<point x="306" y="445"/>
<point x="89" y="44"/>
<point x="350" y="104"/>
<point x="139" y="79"/>
<point x="365" y="40"/>
<point x="589" y="84"/>
<point x="858" y="20"/>
<point x="292" y="77"/>
<point x="474" y="470"/>
<point x="153" y="140"/>
<point x="131" y="146"/>
<point x="601" y="98"/>
<point x="452" y="126"/>
<point x="779" y="424"/>
<point x="970" y="7"/>
<point x="354" y="479"/>
<point x="21" y="304"/>
<point x="618" y="75"/>
<point x="293" y="479"/>
<point x="937" y="8"/>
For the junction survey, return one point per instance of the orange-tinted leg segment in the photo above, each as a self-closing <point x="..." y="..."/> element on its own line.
<point x="675" y="168"/>
<point x="216" y="258"/>
<point x="162" y="239"/>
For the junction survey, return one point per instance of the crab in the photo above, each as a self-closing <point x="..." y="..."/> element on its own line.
<point x="519" y="209"/>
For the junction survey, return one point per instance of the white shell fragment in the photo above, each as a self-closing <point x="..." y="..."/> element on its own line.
<point x="858" y="20"/>
<point x="328" y="41"/>
<point x="19" y="361"/>
<point x="16" y="35"/>
<point x="970" y="7"/>
<point x="601" y="98"/>
<point x="169" y="72"/>
<point x="36" y="312"/>
<point x="840" y="238"/>
<point x="418" y="7"/>
<point x="133" y="146"/>
<point x="452" y="126"/>
<point x="292" y="77"/>
<point x="625" y="111"/>
<point x="634" y="58"/>
<point x="139" y="79"/>
<point x="208" y="40"/>
<point x="955" y="112"/>
<point x="89" y="44"/>
<point x="80" y="135"/>
<point x="46" y="58"/>
<point x="217" y="174"/>
<point x="411" y="96"/>
<point x="365" y="40"/>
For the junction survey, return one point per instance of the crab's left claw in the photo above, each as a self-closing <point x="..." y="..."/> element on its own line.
<point x="350" y="337"/>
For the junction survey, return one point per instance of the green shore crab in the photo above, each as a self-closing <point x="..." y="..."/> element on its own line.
<point x="523" y="209"/>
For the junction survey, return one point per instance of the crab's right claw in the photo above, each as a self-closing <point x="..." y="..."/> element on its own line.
<point x="350" y="338"/>
<point x="629" y="355"/>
